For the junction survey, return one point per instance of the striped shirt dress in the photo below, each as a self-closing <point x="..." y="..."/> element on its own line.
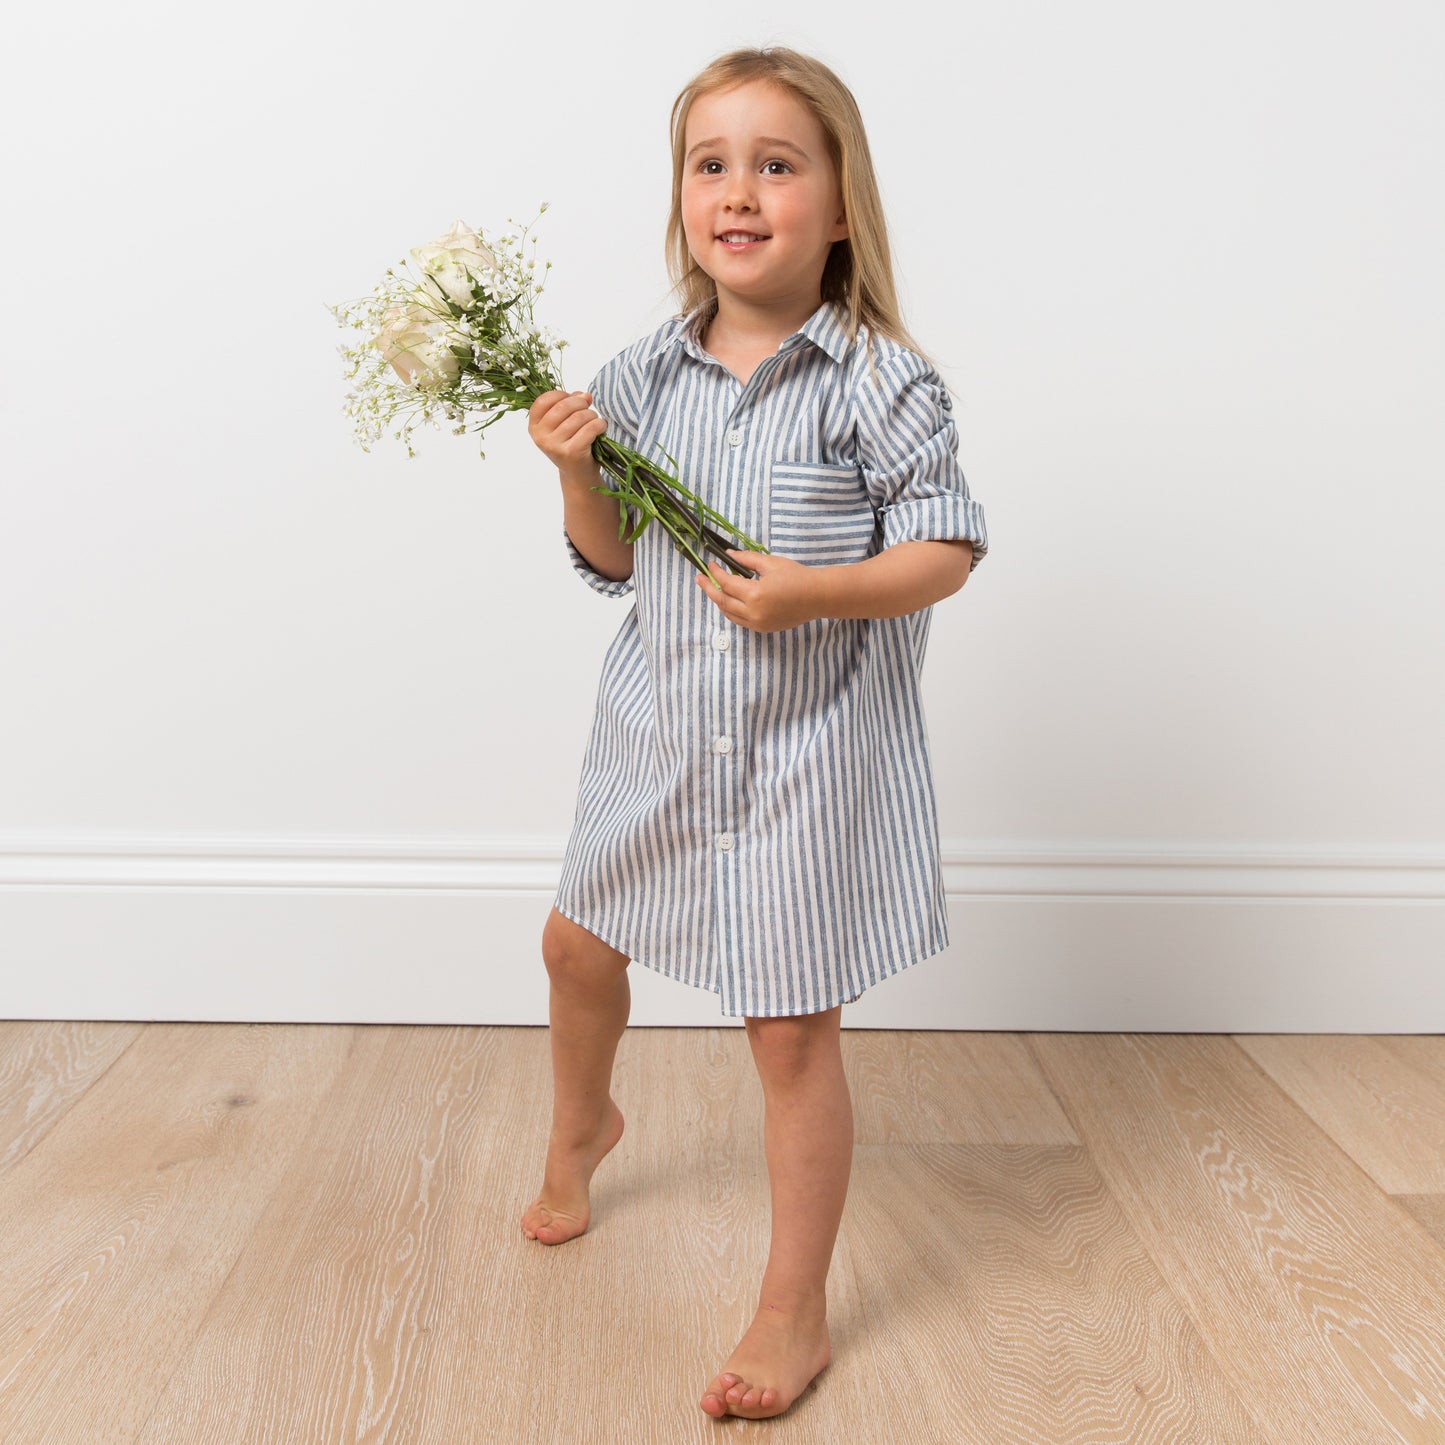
<point x="756" y="812"/>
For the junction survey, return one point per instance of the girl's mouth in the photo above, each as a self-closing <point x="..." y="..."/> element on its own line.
<point x="740" y="240"/>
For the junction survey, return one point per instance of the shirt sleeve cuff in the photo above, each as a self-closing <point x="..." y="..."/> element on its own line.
<point x="607" y="586"/>
<point x="943" y="517"/>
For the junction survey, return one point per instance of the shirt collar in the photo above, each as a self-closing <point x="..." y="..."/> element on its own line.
<point x="826" y="328"/>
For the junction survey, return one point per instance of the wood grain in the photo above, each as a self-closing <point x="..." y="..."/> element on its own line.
<point x="43" y="1069"/>
<point x="1009" y="1299"/>
<point x="1322" y="1301"/>
<point x="295" y="1234"/>
<point x="1379" y="1097"/>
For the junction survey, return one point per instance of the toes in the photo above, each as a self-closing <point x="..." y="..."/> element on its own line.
<point x="551" y="1227"/>
<point x="715" y="1397"/>
<point x="730" y="1393"/>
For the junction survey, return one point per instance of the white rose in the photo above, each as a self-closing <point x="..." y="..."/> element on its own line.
<point x="454" y="261"/>
<point x="419" y="346"/>
<point x="461" y="237"/>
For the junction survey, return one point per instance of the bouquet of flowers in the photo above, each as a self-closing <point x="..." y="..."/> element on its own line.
<point x="461" y="339"/>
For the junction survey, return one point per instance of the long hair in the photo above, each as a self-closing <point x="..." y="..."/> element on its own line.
<point x="859" y="269"/>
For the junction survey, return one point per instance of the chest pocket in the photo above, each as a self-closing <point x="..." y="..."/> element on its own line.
<point x="819" y="513"/>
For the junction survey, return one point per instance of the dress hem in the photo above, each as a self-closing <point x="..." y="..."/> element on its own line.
<point x="890" y="972"/>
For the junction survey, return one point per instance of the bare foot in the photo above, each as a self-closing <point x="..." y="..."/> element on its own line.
<point x="561" y="1211"/>
<point x="772" y="1365"/>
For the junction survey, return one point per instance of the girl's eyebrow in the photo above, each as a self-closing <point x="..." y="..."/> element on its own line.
<point x="767" y="140"/>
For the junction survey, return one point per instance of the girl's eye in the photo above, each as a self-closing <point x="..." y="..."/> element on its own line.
<point x="703" y="165"/>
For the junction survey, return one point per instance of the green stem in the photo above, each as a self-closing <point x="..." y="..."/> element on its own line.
<point x="661" y="497"/>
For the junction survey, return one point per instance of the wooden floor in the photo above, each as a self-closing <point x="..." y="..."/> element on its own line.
<point x="296" y="1234"/>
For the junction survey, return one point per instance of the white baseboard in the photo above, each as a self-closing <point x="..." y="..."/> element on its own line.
<point x="1147" y="938"/>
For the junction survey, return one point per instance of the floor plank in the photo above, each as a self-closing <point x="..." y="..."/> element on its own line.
<point x="1381" y="1107"/>
<point x="1322" y="1300"/>
<point x="1008" y="1299"/>
<point x="121" y="1225"/>
<point x="326" y="1328"/>
<point x="44" y="1069"/>
<point x="931" y="1086"/>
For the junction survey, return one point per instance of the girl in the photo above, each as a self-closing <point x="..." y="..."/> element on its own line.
<point x="756" y="811"/>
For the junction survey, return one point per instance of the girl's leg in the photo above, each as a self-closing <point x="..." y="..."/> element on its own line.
<point x="588" y="1011"/>
<point x="808" y="1137"/>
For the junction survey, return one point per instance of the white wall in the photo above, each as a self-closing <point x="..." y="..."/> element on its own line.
<point x="292" y="731"/>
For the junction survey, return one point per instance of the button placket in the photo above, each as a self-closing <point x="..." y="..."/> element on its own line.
<point x="725" y="723"/>
<point x="722" y="841"/>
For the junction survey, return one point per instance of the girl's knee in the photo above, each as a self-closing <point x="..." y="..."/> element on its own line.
<point x="575" y="954"/>
<point x="792" y="1042"/>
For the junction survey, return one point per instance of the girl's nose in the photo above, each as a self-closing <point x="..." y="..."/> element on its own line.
<point x="740" y="191"/>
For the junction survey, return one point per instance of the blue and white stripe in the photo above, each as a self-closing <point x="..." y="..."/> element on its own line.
<point x="756" y="811"/>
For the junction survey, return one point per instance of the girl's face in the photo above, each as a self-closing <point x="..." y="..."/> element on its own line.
<point x="757" y="163"/>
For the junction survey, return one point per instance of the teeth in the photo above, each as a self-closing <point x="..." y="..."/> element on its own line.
<point x="741" y="236"/>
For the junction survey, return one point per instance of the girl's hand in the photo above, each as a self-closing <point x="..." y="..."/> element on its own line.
<point x="784" y="594"/>
<point x="564" y="426"/>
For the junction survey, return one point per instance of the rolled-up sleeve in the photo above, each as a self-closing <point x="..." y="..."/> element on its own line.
<point x="614" y="397"/>
<point x="908" y="450"/>
<point x="607" y="586"/>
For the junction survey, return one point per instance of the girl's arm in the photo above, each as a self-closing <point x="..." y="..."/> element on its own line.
<point x="591" y="522"/>
<point x="564" y="427"/>
<point x="903" y="578"/>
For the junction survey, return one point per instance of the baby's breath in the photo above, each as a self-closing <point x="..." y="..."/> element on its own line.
<point x="464" y="335"/>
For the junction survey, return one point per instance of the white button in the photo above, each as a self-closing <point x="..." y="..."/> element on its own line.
<point x="720" y="641"/>
<point x="724" y="841"/>
<point x="722" y="745"/>
<point x="734" y="437"/>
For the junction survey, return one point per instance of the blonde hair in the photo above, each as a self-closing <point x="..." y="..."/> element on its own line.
<point x="859" y="269"/>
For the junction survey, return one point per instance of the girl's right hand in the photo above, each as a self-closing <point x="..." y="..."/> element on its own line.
<point x="564" y="426"/>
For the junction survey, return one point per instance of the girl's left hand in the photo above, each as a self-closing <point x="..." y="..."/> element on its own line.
<point x="784" y="594"/>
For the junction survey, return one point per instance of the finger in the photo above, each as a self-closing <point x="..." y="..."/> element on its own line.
<point x="569" y="432"/>
<point x="560" y="404"/>
<point x="544" y="404"/>
<point x="725" y="579"/>
<point x="572" y="404"/>
<point x="755" y="562"/>
<point x="710" y="589"/>
<point x="570" y="426"/>
<point x="726" y="591"/>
